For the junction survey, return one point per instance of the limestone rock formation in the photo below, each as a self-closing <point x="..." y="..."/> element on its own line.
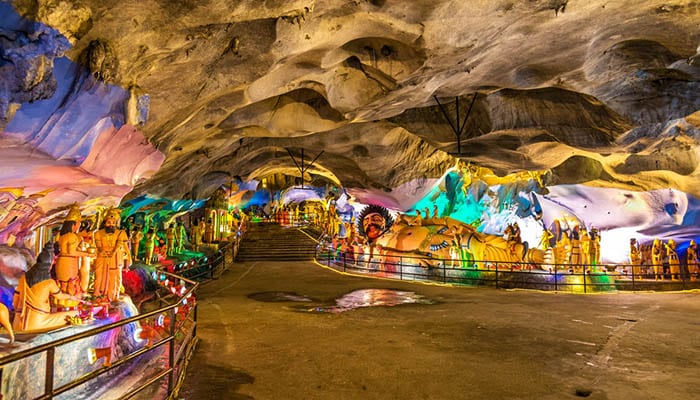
<point x="602" y="93"/>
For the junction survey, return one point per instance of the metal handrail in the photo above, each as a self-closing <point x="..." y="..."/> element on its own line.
<point x="50" y="391"/>
<point x="175" y="358"/>
<point x="210" y="266"/>
<point x="495" y="271"/>
<point x="92" y="332"/>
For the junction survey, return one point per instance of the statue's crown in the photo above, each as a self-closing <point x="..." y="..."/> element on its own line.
<point x="113" y="213"/>
<point x="74" y="213"/>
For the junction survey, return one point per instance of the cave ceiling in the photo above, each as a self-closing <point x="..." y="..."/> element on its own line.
<point x="599" y="92"/>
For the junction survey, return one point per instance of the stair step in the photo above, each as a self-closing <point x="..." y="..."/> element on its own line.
<point x="271" y="242"/>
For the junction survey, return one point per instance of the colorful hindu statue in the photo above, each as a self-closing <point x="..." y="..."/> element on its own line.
<point x="32" y="299"/>
<point x="562" y="251"/>
<point x="691" y="257"/>
<point x="656" y="264"/>
<point x="113" y="256"/>
<point x="87" y="244"/>
<point x="594" y="247"/>
<point x="135" y="239"/>
<point x="181" y="236"/>
<point x="69" y="261"/>
<point x="512" y="236"/>
<point x="170" y="240"/>
<point x="150" y="245"/>
<point x="373" y="223"/>
<point x="575" y="258"/>
<point x="436" y="243"/>
<point x="585" y="246"/>
<point x="635" y="257"/>
<point x="208" y="229"/>
<point x="673" y="263"/>
<point x="196" y="234"/>
<point x="5" y="322"/>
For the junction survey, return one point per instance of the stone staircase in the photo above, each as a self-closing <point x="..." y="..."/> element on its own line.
<point x="271" y="242"/>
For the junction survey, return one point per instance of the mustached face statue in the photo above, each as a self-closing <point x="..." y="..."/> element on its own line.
<point x="374" y="225"/>
<point x="110" y="223"/>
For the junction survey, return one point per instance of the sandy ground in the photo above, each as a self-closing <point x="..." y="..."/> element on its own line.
<point x="471" y="343"/>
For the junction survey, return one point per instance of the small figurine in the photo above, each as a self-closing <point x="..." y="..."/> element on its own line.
<point x="170" y="240"/>
<point x="418" y="220"/>
<point x="635" y="257"/>
<point x="196" y="235"/>
<point x="180" y="236"/>
<point x="692" y="260"/>
<point x="209" y="228"/>
<point x="546" y="239"/>
<point x="575" y="258"/>
<point x="656" y="260"/>
<point x="673" y="263"/>
<point x="151" y="243"/>
<point x="87" y="244"/>
<point x="135" y="239"/>
<point x="562" y="251"/>
<point x="585" y="246"/>
<point x="594" y="247"/>
<point x="512" y="236"/>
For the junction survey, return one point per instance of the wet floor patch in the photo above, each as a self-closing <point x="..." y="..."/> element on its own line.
<point x="273" y="297"/>
<point x="372" y="298"/>
<point x="205" y="381"/>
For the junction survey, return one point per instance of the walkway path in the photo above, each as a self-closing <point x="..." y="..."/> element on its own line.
<point x="473" y="343"/>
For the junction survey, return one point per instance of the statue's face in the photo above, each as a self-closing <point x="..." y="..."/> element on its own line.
<point x="110" y="221"/>
<point x="374" y="225"/>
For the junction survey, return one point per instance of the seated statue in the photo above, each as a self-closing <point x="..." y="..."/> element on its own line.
<point x="32" y="300"/>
